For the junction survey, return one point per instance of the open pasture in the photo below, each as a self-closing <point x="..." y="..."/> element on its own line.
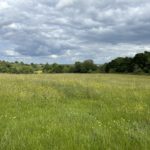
<point x="74" y="112"/>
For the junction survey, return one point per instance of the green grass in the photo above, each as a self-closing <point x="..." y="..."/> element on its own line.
<point x="74" y="112"/>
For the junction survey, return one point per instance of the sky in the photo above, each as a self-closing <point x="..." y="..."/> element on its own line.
<point x="65" y="31"/>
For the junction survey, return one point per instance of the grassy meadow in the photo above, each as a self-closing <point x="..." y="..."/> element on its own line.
<point x="74" y="112"/>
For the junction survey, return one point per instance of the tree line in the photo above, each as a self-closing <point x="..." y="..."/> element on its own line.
<point x="138" y="64"/>
<point x="18" y="67"/>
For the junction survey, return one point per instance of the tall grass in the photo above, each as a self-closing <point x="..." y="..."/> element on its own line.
<point x="74" y="112"/>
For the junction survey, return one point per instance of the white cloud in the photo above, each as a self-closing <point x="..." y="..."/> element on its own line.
<point x="64" y="3"/>
<point x="69" y="30"/>
<point x="53" y="56"/>
<point x="11" y="53"/>
<point x="3" y="5"/>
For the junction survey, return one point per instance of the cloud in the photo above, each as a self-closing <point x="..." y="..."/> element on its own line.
<point x="68" y="30"/>
<point x="3" y="5"/>
<point x="11" y="53"/>
<point x="64" y="3"/>
<point x="53" y="56"/>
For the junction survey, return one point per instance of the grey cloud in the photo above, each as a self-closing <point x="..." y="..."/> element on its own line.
<point x="69" y="30"/>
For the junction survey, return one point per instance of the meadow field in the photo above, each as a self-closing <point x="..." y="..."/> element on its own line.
<point x="74" y="112"/>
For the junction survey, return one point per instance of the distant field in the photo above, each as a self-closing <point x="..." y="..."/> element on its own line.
<point x="74" y="112"/>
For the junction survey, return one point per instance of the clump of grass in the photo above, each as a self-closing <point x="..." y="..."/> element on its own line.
<point x="73" y="111"/>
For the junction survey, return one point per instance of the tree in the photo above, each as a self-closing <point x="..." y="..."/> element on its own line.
<point x="120" y="64"/>
<point x="140" y="60"/>
<point x="85" y="67"/>
<point x="46" y="68"/>
<point x="77" y="67"/>
<point x="55" y="68"/>
<point x="89" y="66"/>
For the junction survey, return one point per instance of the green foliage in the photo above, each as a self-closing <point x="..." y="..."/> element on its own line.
<point x="139" y="64"/>
<point x="87" y="66"/>
<point x="18" y="68"/>
<point x="54" y="68"/>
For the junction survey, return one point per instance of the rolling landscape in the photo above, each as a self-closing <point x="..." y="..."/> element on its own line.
<point x="74" y="75"/>
<point x="73" y="111"/>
